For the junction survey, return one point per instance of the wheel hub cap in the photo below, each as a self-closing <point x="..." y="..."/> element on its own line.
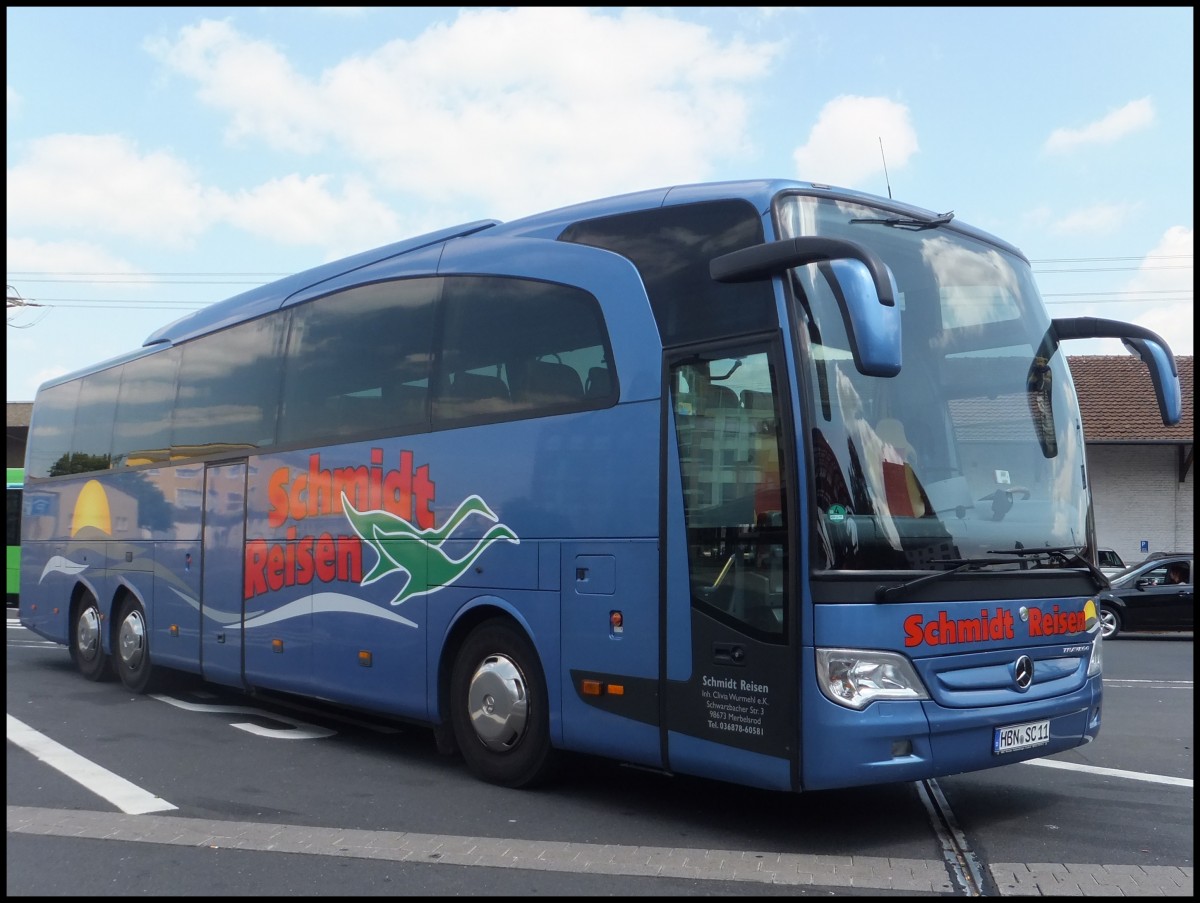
<point x="498" y="703"/>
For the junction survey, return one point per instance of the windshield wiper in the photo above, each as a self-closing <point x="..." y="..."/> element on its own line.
<point x="1062" y="555"/>
<point x="883" y="593"/>
<point x="908" y="222"/>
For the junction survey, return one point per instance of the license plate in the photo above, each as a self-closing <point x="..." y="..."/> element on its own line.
<point x="1020" y="736"/>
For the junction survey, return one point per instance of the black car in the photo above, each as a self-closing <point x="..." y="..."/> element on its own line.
<point x="1147" y="596"/>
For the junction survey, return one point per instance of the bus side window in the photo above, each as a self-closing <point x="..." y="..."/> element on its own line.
<point x="468" y="386"/>
<point x="359" y="361"/>
<point x="549" y="383"/>
<point x="532" y="340"/>
<point x="473" y="394"/>
<point x="407" y="402"/>
<point x="599" y="383"/>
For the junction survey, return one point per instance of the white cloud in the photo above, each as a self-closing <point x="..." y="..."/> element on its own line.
<point x="1099" y="219"/>
<point x="1166" y="272"/>
<point x="250" y="80"/>
<point x="27" y="255"/>
<point x="502" y="106"/>
<point x="1164" y="293"/>
<point x="303" y="211"/>
<point x="103" y="183"/>
<point x="103" y="186"/>
<point x="843" y="148"/>
<point x="1133" y="117"/>
<point x="503" y="111"/>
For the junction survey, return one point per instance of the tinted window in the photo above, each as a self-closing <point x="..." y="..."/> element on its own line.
<point x="50" y="429"/>
<point x="143" y="428"/>
<point x="229" y="390"/>
<point x="515" y="348"/>
<point x="726" y="411"/>
<point x="91" y="447"/>
<point x="358" y="362"/>
<point x="672" y="248"/>
<point x="14" y="517"/>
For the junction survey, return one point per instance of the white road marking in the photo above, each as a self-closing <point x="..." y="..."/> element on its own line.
<point x="126" y="796"/>
<point x="1111" y="772"/>
<point x="299" y="730"/>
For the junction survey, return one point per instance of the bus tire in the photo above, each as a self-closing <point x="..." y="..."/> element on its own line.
<point x="1110" y="622"/>
<point x="499" y="707"/>
<point x="87" y="646"/>
<point x="131" y="648"/>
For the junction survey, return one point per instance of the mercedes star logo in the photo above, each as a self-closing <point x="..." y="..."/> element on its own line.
<point x="1023" y="672"/>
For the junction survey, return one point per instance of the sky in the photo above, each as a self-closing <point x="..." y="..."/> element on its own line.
<point x="162" y="159"/>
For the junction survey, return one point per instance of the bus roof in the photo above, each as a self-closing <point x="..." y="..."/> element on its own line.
<point x="299" y="286"/>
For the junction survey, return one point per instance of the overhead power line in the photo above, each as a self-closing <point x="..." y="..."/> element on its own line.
<point x="1041" y="266"/>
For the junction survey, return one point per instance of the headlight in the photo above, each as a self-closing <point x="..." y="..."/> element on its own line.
<point x="1096" y="661"/>
<point x="857" y="677"/>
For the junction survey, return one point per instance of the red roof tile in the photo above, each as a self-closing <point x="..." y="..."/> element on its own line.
<point x="1117" y="400"/>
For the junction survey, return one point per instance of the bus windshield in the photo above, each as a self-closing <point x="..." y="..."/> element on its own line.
<point x="975" y="449"/>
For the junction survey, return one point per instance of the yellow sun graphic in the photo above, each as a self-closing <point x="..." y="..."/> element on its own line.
<point x="1089" y="614"/>
<point x="91" y="510"/>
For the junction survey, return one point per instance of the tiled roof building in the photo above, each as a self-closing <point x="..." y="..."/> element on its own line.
<point x="1118" y="400"/>
<point x="1140" y="470"/>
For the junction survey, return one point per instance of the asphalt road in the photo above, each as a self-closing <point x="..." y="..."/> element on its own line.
<point x="201" y="791"/>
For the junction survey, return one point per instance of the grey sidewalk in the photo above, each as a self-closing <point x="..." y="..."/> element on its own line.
<point x="907" y="876"/>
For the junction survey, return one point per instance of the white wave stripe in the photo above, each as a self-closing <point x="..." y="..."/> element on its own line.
<point x="59" y="565"/>
<point x="324" y="602"/>
<point x="337" y="602"/>
<point x="224" y="618"/>
<point x="194" y="603"/>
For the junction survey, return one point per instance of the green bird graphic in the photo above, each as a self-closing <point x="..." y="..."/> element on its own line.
<point x="380" y="530"/>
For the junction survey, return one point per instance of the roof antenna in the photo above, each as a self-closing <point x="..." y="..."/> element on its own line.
<point x="885" y="172"/>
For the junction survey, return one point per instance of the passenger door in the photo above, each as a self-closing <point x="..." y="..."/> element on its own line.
<point x="221" y="604"/>
<point x="731" y="690"/>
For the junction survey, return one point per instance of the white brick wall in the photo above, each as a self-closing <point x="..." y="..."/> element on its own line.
<point x="1137" y="496"/>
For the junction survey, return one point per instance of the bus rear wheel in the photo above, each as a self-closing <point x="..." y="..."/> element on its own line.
<point x="87" y="647"/>
<point x="131" y="646"/>
<point x="499" y="707"/>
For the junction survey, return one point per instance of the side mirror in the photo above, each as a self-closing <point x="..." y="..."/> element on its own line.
<point x="1147" y="346"/>
<point x="864" y="286"/>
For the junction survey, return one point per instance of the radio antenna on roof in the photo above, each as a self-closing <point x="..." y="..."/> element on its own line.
<point x="885" y="172"/>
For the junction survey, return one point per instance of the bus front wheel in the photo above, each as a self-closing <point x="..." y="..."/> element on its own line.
<point x="499" y="706"/>
<point x="131" y="646"/>
<point x="87" y="647"/>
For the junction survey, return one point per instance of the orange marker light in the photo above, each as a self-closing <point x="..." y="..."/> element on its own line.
<point x="364" y="658"/>
<point x="591" y="687"/>
<point x="276" y="645"/>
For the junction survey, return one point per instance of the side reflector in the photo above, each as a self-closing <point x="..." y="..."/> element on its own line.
<point x="597" y="688"/>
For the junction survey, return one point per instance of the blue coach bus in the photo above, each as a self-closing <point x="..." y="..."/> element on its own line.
<point x="766" y="482"/>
